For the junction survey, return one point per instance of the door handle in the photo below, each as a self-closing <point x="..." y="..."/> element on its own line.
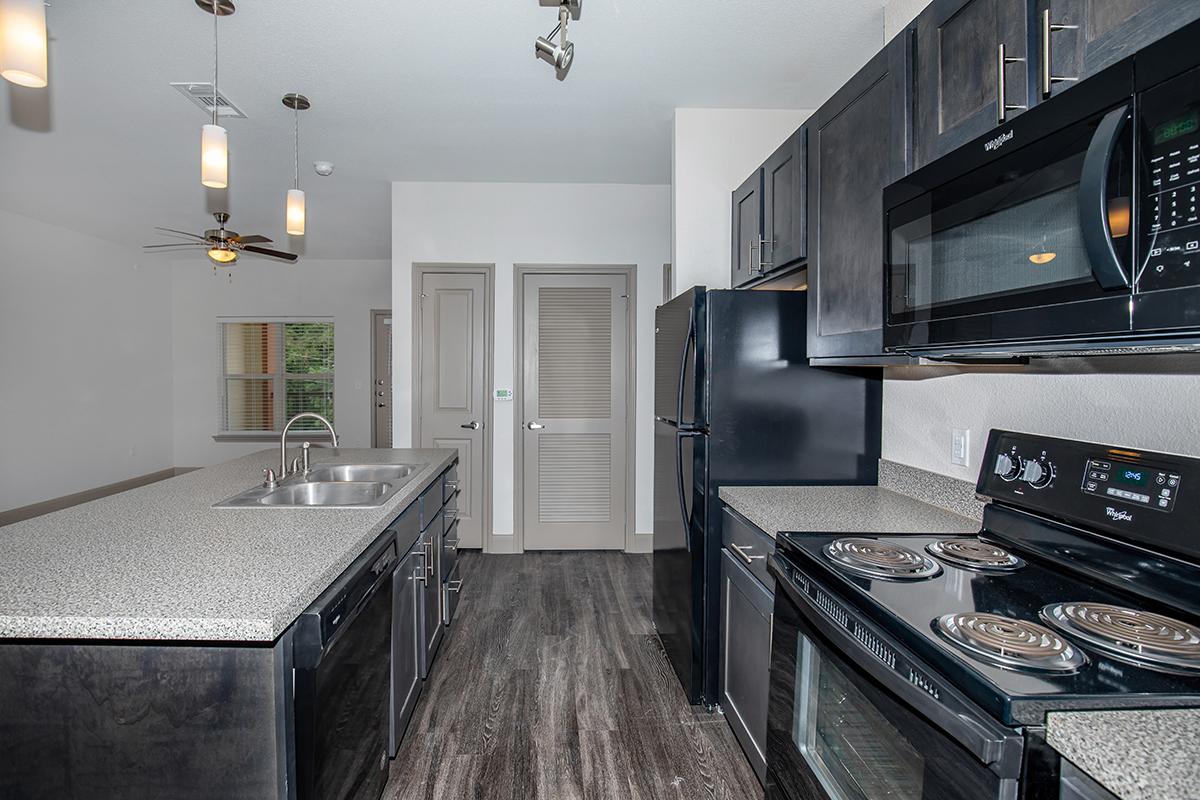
<point x="471" y="426"/>
<point x="534" y="426"/>
<point x="743" y="552"/>
<point x="1048" y="77"/>
<point x="1093" y="201"/>
<point x="1002" y="104"/>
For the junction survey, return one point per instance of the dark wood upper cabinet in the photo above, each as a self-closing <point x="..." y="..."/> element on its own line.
<point x="747" y="229"/>
<point x="1083" y="37"/>
<point x="959" y="76"/>
<point x="785" y="204"/>
<point x="858" y="143"/>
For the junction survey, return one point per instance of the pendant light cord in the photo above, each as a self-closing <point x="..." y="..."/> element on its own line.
<point x="296" y="152"/>
<point x="216" y="10"/>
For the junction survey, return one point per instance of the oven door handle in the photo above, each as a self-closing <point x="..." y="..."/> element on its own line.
<point x="995" y="746"/>
<point x="1093" y="201"/>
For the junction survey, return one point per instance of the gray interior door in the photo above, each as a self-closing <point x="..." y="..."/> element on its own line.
<point x="573" y="368"/>
<point x="453" y="327"/>
<point x="381" y="379"/>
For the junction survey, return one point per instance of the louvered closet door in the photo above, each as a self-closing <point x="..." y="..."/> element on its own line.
<point x="574" y="415"/>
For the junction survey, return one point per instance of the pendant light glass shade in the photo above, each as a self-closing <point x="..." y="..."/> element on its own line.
<point x="214" y="157"/>
<point x="295" y="212"/>
<point x="23" y="42"/>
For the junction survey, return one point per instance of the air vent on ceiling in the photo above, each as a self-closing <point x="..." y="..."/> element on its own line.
<point x="202" y="95"/>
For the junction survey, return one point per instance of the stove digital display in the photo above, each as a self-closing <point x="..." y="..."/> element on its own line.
<point x="1131" y="476"/>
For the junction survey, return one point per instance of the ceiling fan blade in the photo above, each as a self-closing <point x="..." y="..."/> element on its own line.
<point x="181" y="233"/>
<point x="254" y="239"/>
<point x="175" y="244"/>
<point x="263" y="251"/>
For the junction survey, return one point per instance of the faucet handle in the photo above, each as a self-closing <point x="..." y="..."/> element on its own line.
<point x="269" y="478"/>
<point x="294" y="467"/>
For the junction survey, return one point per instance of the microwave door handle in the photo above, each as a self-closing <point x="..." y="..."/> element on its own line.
<point x="1093" y="201"/>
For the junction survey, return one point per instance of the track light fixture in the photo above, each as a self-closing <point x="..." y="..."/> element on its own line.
<point x="560" y="54"/>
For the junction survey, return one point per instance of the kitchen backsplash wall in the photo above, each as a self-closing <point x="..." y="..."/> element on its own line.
<point x="1140" y="401"/>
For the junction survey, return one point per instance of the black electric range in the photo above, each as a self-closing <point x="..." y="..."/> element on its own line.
<point x="924" y="666"/>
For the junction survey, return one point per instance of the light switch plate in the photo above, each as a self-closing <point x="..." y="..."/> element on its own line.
<point x="960" y="447"/>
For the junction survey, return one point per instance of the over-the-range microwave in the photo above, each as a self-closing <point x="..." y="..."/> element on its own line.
<point x="1072" y="229"/>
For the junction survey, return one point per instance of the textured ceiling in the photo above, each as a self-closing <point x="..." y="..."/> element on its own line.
<point x="401" y="90"/>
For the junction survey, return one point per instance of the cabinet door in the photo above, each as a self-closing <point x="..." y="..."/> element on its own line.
<point x="746" y="612"/>
<point x="747" y="229"/>
<point x="958" y="74"/>
<point x="406" y="642"/>
<point x="785" y="204"/>
<point x="858" y="143"/>
<point x="1083" y="37"/>
<point x="431" y="598"/>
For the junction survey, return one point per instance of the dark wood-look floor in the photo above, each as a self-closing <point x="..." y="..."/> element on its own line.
<point x="552" y="685"/>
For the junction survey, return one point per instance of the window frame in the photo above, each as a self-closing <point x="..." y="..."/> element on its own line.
<point x="278" y="379"/>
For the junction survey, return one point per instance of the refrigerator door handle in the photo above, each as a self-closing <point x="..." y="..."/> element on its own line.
<point x="680" y="435"/>
<point x="683" y="357"/>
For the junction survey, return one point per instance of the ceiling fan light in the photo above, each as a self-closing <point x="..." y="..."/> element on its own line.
<point x="23" y="42"/>
<point x="214" y="157"/>
<point x="222" y="254"/>
<point x="295" y="212"/>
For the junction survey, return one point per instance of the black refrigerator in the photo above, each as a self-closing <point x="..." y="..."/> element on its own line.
<point x="735" y="403"/>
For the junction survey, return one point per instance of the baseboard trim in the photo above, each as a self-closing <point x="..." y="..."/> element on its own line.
<point x="642" y="543"/>
<point x="502" y="545"/>
<point x="87" y="495"/>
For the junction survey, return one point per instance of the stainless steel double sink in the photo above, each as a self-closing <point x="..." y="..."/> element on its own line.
<point x="330" y="486"/>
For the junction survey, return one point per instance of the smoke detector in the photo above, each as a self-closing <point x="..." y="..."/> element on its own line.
<point x="323" y="168"/>
<point x="201" y="95"/>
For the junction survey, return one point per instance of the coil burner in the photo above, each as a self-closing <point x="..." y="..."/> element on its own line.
<point x="1015" y="644"/>
<point x="873" y="558"/>
<point x="975" y="554"/>
<point x="1137" y="637"/>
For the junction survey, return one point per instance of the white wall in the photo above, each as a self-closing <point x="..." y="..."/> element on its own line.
<point x="85" y="347"/>
<point x="345" y="291"/>
<point x="713" y="150"/>
<point x="898" y="13"/>
<point x="506" y="224"/>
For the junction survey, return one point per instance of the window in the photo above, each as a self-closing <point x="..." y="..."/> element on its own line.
<point x="271" y="371"/>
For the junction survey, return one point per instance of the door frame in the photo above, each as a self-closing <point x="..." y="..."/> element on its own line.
<point x="488" y="271"/>
<point x="376" y="313"/>
<point x="629" y="271"/>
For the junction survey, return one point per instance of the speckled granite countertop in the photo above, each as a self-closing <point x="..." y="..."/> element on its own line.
<point x="841" y="509"/>
<point x="158" y="562"/>
<point x="1136" y="755"/>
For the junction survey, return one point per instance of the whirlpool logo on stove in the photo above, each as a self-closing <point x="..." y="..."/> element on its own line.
<point x="998" y="142"/>
<point x="1120" y="515"/>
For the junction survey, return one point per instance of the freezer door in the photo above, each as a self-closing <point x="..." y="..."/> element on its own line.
<point x="674" y="350"/>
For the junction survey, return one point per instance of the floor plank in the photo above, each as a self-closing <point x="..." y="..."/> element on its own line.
<point x="552" y="685"/>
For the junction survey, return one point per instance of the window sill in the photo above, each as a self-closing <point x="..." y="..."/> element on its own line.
<point x="267" y="436"/>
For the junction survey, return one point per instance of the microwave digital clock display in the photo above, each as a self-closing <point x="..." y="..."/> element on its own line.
<point x="1180" y="126"/>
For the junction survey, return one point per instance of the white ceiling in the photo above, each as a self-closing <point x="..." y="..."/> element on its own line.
<point x="401" y="90"/>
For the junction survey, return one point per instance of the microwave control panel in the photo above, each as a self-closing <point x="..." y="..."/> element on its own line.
<point x="1171" y="213"/>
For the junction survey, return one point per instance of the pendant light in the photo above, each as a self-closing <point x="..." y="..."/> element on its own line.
<point x="294" y="215"/>
<point x="23" y="42"/>
<point x="214" y="140"/>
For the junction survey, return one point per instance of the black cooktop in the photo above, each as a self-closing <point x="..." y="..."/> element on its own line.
<point x="908" y="610"/>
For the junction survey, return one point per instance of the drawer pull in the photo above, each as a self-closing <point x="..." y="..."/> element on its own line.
<point x="454" y="586"/>
<point x="452" y="545"/>
<point x="742" y="550"/>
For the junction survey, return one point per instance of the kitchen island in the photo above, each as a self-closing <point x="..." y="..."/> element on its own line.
<point x="145" y="643"/>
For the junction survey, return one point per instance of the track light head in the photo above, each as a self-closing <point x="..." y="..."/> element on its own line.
<point x="561" y="54"/>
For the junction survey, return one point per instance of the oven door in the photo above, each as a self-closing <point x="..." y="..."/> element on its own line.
<point x="1022" y="240"/>
<point x="840" y="722"/>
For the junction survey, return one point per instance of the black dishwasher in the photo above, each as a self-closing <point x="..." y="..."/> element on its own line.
<point x="342" y="652"/>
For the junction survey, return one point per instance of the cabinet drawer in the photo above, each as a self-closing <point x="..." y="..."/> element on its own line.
<point x="449" y="483"/>
<point x="749" y="545"/>
<point x="449" y="549"/>
<point x="451" y="591"/>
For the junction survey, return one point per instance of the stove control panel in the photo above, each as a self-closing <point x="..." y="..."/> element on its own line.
<point x="1132" y="483"/>
<point x="1137" y="495"/>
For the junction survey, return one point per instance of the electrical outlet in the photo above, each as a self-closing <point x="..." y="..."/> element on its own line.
<point x="960" y="447"/>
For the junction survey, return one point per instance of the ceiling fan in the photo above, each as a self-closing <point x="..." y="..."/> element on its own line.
<point x="223" y="246"/>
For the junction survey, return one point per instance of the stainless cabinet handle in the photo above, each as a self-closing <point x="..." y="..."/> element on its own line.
<point x="1048" y="77"/>
<point x="534" y="426"/>
<point x="763" y="264"/>
<point x="1002" y="104"/>
<point x="454" y="586"/>
<point x="743" y="551"/>
<point x="419" y="575"/>
<point x="452" y="545"/>
<point x="471" y="426"/>
<point x="429" y="560"/>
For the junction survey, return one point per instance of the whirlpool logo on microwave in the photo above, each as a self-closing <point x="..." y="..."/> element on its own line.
<point x="1118" y="515"/>
<point x="998" y="142"/>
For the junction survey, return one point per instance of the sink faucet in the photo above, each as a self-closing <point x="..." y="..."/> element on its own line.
<point x="283" y="466"/>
